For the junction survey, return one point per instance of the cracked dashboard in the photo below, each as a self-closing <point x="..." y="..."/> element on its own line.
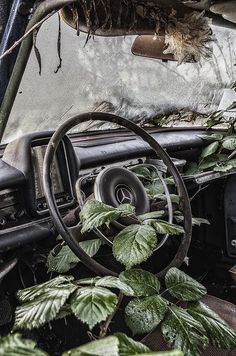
<point x="24" y="217"/>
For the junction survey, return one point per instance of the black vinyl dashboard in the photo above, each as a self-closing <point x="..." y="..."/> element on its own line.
<point x="24" y="217"/>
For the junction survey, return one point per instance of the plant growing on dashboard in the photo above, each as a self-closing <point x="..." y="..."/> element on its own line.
<point x="218" y="155"/>
<point x="95" y="300"/>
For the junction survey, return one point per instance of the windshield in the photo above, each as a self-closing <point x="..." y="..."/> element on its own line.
<point x="105" y="75"/>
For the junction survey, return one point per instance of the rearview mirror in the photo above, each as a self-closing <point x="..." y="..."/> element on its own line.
<point x="152" y="47"/>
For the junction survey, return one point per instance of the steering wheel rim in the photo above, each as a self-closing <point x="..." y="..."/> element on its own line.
<point x="57" y="219"/>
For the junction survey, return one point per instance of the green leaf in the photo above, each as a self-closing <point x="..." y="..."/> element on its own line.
<point x="44" y="307"/>
<point x="151" y="215"/>
<point x="163" y="227"/>
<point x="128" y="346"/>
<point x="66" y="259"/>
<point x="212" y="137"/>
<point x="183" y="332"/>
<point x="28" y="294"/>
<point x="209" y="162"/>
<point x="192" y="169"/>
<point x="114" y="282"/>
<point x="93" y="304"/>
<point x="223" y="167"/>
<point x="107" y="346"/>
<point x="169" y="181"/>
<point x="229" y="143"/>
<point x="109" y="282"/>
<point x="64" y="312"/>
<point x="173" y="197"/>
<point x="183" y="287"/>
<point x="95" y="213"/>
<point x="15" y="345"/>
<point x="134" y="244"/>
<point x="195" y="221"/>
<point x="144" y="314"/>
<point x="199" y="221"/>
<point x="63" y="261"/>
<point x="141" y="172"/>
<point x="232" y="162"/>
<point x="210" y="149"/>
<point x="163" y="353"/>
<point x="218" y="331"/>
<point x="154" y="188"/>
<point x="143" y="283"/>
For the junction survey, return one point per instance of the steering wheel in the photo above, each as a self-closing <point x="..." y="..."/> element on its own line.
<point x="57" y="219"/>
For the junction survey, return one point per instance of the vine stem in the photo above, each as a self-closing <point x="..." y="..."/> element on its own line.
<point x="104" y="327"/>
<point x="18" y="42"/>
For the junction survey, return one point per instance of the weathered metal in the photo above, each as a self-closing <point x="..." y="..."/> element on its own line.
<point x="159" y="151"/>
<point x="23" y="55"/>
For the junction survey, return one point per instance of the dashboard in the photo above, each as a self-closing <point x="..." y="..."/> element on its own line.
<point x="24" y="217"/>
<point x="60" y="175"/>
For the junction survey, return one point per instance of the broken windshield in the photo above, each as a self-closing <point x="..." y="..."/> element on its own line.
<point x="104" y="75"/>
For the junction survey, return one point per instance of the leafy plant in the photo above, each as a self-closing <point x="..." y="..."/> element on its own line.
<point x="212" y="157"/>
<point x="117" y="345"/>
<point x="95" y="214"/>
<point x="94" y="301"/>
<point x="135" y="243"/>
<point x="63" y="260"/>
<point x="15" y="345"/>
<point x="189" y="329"/>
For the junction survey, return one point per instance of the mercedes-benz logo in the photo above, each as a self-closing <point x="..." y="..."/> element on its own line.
<point x="124" y="195"/>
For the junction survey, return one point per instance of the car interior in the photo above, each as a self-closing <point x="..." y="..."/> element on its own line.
<point x="47" y="176"/>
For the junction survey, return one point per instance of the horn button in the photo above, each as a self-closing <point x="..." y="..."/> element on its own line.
<point x="117" y="185"/>
<point x="124" y="195"/>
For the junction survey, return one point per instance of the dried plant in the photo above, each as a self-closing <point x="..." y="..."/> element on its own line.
<point x="188" y="38"/>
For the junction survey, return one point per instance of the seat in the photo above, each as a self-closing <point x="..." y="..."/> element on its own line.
<point x="224" y="309"/>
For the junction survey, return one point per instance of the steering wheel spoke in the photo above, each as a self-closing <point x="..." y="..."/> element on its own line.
<point x="122" y="188"/>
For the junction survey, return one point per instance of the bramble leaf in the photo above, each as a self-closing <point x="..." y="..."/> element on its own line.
<point x="183" y="332"/>
<point x="93" y="304"/>
<point x="163" y="227"/>
<point x="183" y="287"/>
<point x="161" y="353"/>
<point x="192" y="169"/>
<point x="199" y="221"/>
<point x="107" y="346"/>
<point x="144" y="314"/>
<point x="173" y="197"/>
<point x="225" y="166"/>
<point x="218" y="331"/>
<point x="128" y="346"/>
<point x="151" y="215"/>
<point x="195" y="221"/>
<point x="109" y="282"/>
<point x="134" y="244"/>
<point x="143" y="283"/>
<point x="210" y="149"/>
<point x="66" y="259"/>
<point x="29" y="294"/>
<point x="15" y="345"/>
<point x="44" y="307"/>
<point x="210" y="161"/>
<point x="114" y="282"/>
<point x="153" y="189"/>
<point x="229" y="143"/>
<point x="212" y="137"/>
<point x="141" y="172"/>
<point x="95" y="213"/>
